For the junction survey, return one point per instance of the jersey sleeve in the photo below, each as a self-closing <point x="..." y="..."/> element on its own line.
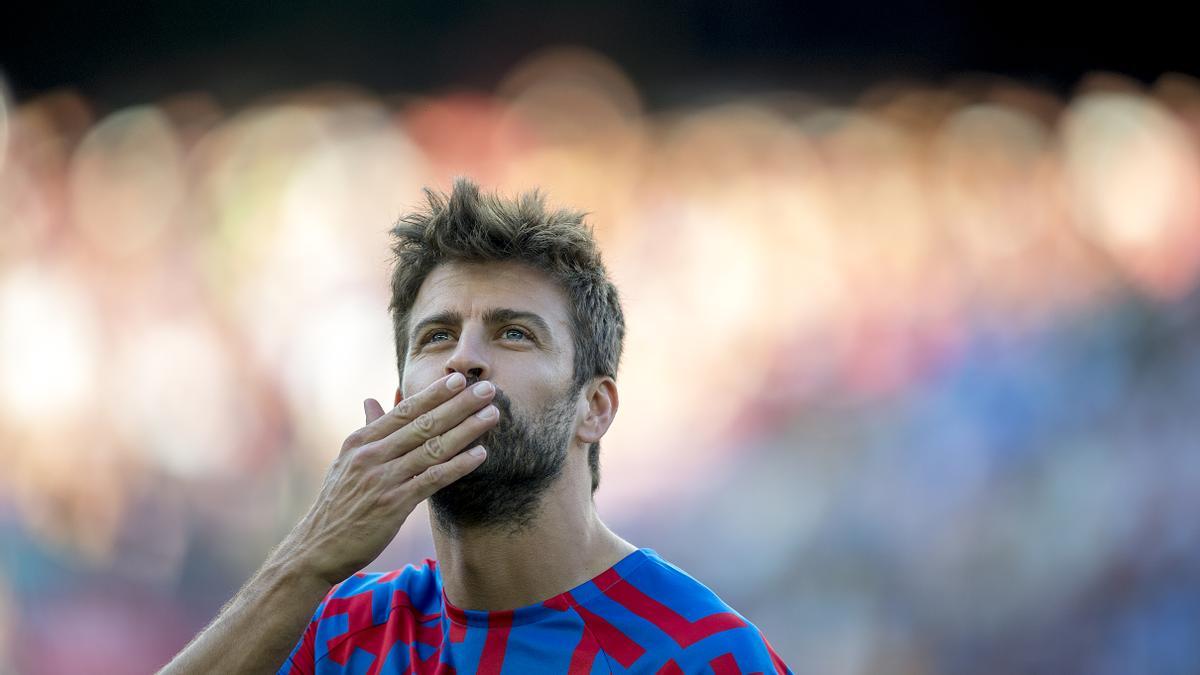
<point x="731" y="652"/>
<point x="703" y="633"/>
<point x="754" y="653"/>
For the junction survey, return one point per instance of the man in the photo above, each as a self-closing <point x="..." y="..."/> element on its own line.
<point x="508" y="334"/>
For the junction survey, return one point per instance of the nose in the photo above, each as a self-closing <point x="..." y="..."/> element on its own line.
<point x="469" y="358"/>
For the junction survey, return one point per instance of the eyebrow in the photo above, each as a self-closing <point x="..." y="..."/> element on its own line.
<point x="490" y="317"/>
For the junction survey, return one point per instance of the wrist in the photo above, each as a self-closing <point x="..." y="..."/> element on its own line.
<point x="294" y="569"/>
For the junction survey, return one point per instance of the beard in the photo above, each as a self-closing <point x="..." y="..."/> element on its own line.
<point x="526" y="454"/>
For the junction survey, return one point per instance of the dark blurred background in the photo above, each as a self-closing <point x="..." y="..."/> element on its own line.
<point x="120" y="53"/>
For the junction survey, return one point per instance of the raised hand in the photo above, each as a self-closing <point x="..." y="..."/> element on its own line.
<point x="385" y="469"/>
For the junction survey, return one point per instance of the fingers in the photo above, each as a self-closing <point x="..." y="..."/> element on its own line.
<point x="372" y="409"/>
<point x="429" y="429"/>
<point x="438" y="476"/>
<point x="406" y="411"/>
<point x="442" y="447"/>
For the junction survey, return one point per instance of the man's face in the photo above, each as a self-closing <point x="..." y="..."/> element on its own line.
<point x="508" y="324"/>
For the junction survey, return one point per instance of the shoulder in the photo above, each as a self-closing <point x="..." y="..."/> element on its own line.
<point x="678" y="620"/>
<point x="657" y="581"/>
<point x="364" y="603"/>
<point x="354" y="613"/>
<point x="418" y="586"/>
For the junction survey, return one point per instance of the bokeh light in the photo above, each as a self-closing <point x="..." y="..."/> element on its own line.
<point x="925" y="363"/>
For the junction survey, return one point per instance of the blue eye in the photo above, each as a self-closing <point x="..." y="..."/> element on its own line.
<point x="434" y="334"/>
<point x="509" y="332"/>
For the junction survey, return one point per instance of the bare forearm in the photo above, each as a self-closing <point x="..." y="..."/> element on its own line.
<point x="256" y="630"/>
<point x="371" y="488"/>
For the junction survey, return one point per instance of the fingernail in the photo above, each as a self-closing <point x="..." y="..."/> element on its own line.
<point x="478" y="451"/>
<point x="455" y="382"/>
<point x="487" y="413"/>
<point x="483" y="388"/>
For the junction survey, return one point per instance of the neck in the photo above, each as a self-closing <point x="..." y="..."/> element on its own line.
<point x="564" y="545"/>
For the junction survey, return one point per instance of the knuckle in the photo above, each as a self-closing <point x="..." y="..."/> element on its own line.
<point x="354" y="461"/>
<point x="424" y="424"/>
<point x="355" y="439"/>
<point x="434" y="474"/>
<point x="368" y="454"/>
<point x="362" y="456"/>
<point x="404" y="409"/>
<point x="433" y="447"/>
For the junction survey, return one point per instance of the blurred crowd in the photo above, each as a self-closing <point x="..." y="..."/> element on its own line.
<point x="911" y="381"/>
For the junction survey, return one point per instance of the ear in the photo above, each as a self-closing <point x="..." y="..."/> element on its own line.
<point x="602" y="402"/>
<point x="399" y="397"/>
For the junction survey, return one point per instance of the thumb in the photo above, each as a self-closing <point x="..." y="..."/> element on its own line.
<point x="372" y="409"/>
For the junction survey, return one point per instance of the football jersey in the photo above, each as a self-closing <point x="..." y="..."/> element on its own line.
<point x="642" y="615"/>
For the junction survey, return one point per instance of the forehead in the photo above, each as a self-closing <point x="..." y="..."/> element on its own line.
<point x="473" y="288"/>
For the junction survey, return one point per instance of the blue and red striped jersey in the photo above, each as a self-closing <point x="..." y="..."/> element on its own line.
<point x="642" y="615"/>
